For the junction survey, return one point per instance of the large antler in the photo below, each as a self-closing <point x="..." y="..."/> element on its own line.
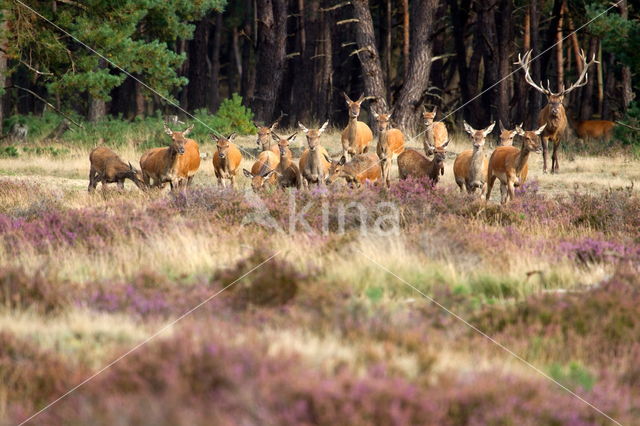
<point x="525" y="63"/>
<point x="582" y="80"/>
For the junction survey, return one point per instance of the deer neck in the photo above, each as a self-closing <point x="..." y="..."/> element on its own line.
<point x="428" y="138"/>
<point x="352" y="129"/>
<point x="477" y="161"/>
<point x="523" y="157"/>
<point x="172" y="158"/>
<point x="284" y="160"/>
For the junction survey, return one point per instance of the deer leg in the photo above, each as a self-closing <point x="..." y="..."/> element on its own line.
<point x="555" y="167"/>
<point x="511" y="191"/>
<point x="92" y="180"/>
<point x="545" y="148"/>
<point x="121" y="185"/>
<point x="490" y="183"/>
<point x="503" y="193"/>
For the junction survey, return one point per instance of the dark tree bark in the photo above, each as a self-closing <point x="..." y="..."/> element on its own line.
<point x="521" y="85"/>
<point x="491" y="61"/>
<point x="3" y="70"/>
<point x="405" y="37"/>
<point x="627" y="90"/>
<point x="586" y="107"/>
<point x="272" y="36"/>
<point x="97" y="107"/>
<point x="214" y="101"/>
<point x="247" y="83"/>
<point x="199" y="66"/>
<point x="406" y="113"/>
<point x="534" y="96"/>
<point x="551" y="38"/>
<point x="459" y="19"/>
<point x="505" y="37"/>
<point x="369" y="57"/>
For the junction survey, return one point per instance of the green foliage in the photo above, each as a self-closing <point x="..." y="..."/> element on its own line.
<point x="46" y="150"/>
<point x="8" y="151"/>
<point x="573" y="376"/>
<point x="231" y="117"/>
<point x="624" y="134"/>
<point x="39" y="125"/>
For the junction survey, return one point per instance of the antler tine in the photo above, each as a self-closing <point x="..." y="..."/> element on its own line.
<point x="525" y="63"/>
<point x="584" y="76"/>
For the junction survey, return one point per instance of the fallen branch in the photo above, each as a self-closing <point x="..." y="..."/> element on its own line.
<point x="627" y="126"/>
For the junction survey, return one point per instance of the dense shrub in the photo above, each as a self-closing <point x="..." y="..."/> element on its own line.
<point x="232" y="116"/>
<point x="19" y="290"/>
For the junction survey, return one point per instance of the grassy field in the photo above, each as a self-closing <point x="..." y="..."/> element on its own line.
<point x="330" y="324"/>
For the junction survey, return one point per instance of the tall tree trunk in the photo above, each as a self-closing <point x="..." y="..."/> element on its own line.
<point x="235" y="76"/>
<point x="247" y="83"/>
<point x="550" y="37"/>
<point x="214" y="81"/>
<point x="199" y="66"/>
<point x="559" y="49"/>
<point x="600" y="79"/>
<point x="491" y="61"/>
<point x="505" y="37"/>
<point x="271" y="48"/>
<point x="388" y="30"/>
<point x="369" y="57"/>
<point x="627" y="90"/>
<point x="586" y="106"/>
<point x="97" y="107"/>
<point x="405" y="38"/>
<point x="534" y="95"/>
<point x="406" y="112"/>
<point x="459" y="18"/>
<point x="3" y="69"/>
<point x="139" y="100"/>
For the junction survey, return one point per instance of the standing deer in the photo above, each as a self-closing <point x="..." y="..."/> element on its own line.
<point x="108" y="167"/>
<point x="553" y="115"/>
<point x="595" y="129"/>
<point x="470" y="166"/>
<point x="288" y="172"/>
<point x="263" y="170"/>
<point x="265" y="136"/>
<point x="390" y="145"/>
<point x="509" y="164"/>
<point x="435" y="132"/>
<point x="189" y="162"/>
<point x="362" y="168"/>
<point x="415" y="164"/>
<point x="506" y="136"/>
<point x="226" y="160"/>
<point x="357" y="136"/>
<point x="315" y="160"/>
<point x="161" y="164"/>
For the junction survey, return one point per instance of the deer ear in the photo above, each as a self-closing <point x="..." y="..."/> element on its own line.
<point x="435" y="109"/>
<point x="468" y="128"/>
<point x="444" y="145"/>
<point x="342" y="161"/>
<point x="274" y="136"/>
<point x="304" y="129"/>
<point x="360" y="99"/>
<point x="214" y="137"/>
<point x="541" y="129"/>
<point x="167" y="130"/>
<point x="292" y="137"/>
<point x="489" y="129"/>
<point x="247" y="173"/>
<point x="347" y="98"/>
<point x="502" y="129"/>
<point x="519" y="129"/>
<point x="324" y="127"/>
<point x="232" y="136"/>
<point x="188" y="130"/>
<point x="374" y="114"/>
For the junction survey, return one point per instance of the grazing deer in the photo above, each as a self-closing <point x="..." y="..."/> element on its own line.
<point x="226" y="160"/>
<point x="435" y="132"/>
<point x="161" y="164"/>
<point x="108" y="167"/>
<point x="189" y="162"/>
<point x="553" y="114"/>
<point x="265" y="137"/>
<point x="362" y="168"/>
<point x="509" y="164"/>
<point x="263" y="170"/>
<point x="506" y="136"/>
<point x="595" y="129"/>
<point x="415" y="164"/>
<point x="470" y="166"/>
<point x="289" y="175"/>
<point x="357" y="136"/>
<point x="315" y="160"/>
<point x="390" y="144"/>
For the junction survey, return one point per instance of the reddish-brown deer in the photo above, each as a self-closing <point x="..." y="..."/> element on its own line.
<point x="553" y="115"/>
<point x="509" y="164"/>
<point x="390" y="144"/>
<point x="435" y="133"/>
<point x="470" y="166"/>
<point x="315" y="160"/>
<point x="265" y="139"/>
<point x="357" y="136"/>
<point x="415" y="164"/>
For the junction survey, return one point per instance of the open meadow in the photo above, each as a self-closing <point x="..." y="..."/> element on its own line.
<point x="247" y="316"/>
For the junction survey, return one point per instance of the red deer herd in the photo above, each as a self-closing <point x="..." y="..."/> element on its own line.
<point x="178" y="162"/>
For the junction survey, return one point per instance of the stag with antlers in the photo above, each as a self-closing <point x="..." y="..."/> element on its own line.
<point x="553" y="114"/>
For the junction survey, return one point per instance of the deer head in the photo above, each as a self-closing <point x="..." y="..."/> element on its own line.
<point x="223" y="144"/>
<point x="178" y="139"/>
<point x="531" y="138"/>
<point x="283" y="143"/>
<point x="478" y="136"/>
<point x="354" y="106"/>
<point x="384" y="120"/>
<point x="506" y="136"/>
<point x="429" y="116"/>
<point x="313" y="135"/>
<point x="264" y="132"/>
<point x="555" y="98"/>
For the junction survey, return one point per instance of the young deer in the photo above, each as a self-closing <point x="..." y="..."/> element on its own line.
<point x="288" y="172"/>
<point x="108" y="167"/>
<point x="506" y="136"/>
<point x="357" y="136"/>
<point x="263" y="170"/>
<point x="161" y="164"/>
<point x="435" y="132"/>
<point x="509" y="164"/>
<point x="226" y="160"/>
<point x="470" y="166"/>
<point x="390" y="144"/>
<point x="189" y="162"/>
<point x="362" y="168"/>
<point x="553" y="115"/>
<point x="415" y="164"/>
<point x="315" y="160"/>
